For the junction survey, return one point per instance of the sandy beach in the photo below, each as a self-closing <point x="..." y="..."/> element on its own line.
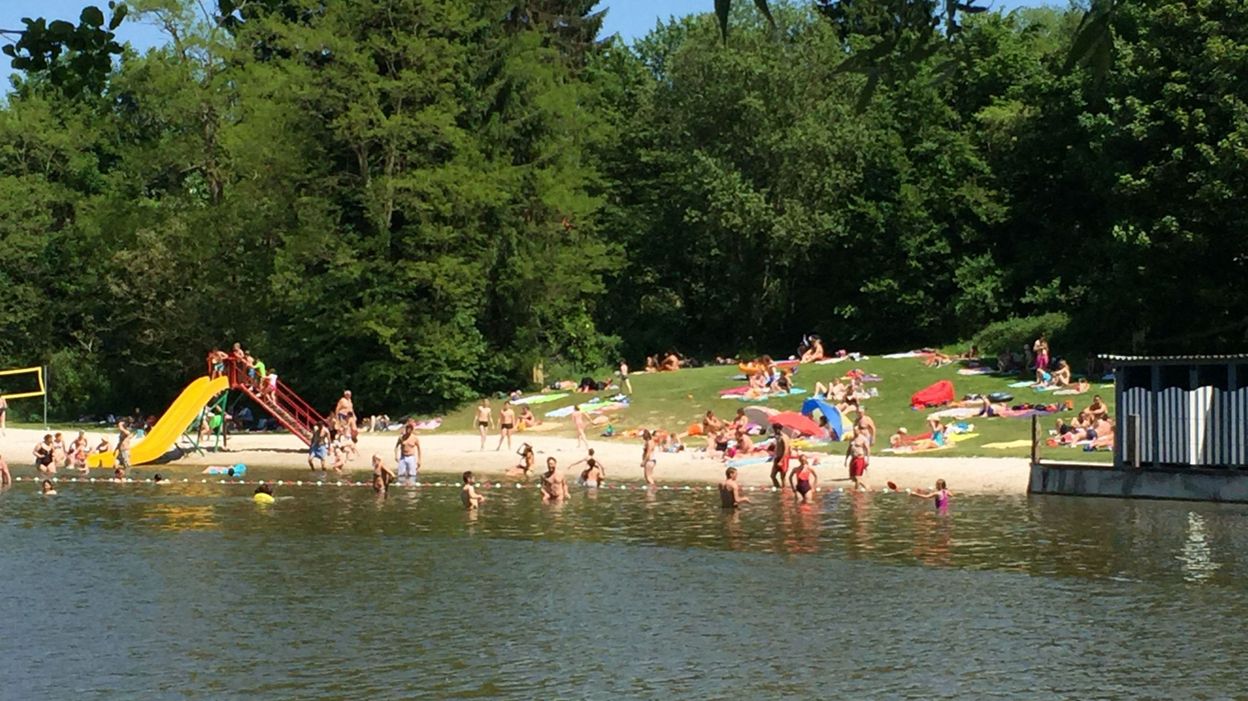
<point x="452" y="453"/>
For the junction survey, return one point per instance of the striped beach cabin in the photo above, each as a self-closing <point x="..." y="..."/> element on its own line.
<point x="1181" y="411"/>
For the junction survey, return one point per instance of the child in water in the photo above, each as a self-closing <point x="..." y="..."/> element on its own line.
<point x="940" y="495"/>
<point x="469" y="493"/>
<point x="263" y="494"/>
<point x="47" y="489"/>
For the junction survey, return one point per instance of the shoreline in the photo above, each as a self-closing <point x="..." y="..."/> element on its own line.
<point x="453" y="453"/>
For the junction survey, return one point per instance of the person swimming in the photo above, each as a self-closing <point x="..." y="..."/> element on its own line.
<point x="263" y="494"/>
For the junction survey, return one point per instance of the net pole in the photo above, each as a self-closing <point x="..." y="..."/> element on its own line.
<point x="46" y="376"/>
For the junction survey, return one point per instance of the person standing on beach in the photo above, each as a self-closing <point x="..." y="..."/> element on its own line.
<point x="484" y="419"/>
<point x="4" y="416"/>
<point x="780" y="460"/>
<point x="318" y="448"/>
<point x="730" y="491"/>
<point x="578" y="420"/>
<point x="865" y="423"/>
<point x="857" y="457"/>
<point x="506" y="424"/>
<point x="123" y="445"/>
<point x="407" y="453"/>
<point x="468" y="495"/>
<point x="344" y="412"/>
<point x="554" y="486"/>
<point x="647" y="456"/>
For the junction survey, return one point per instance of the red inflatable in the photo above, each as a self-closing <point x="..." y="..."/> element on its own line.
<point x="936" y="395"/>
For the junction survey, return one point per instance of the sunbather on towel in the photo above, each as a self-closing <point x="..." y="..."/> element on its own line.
<point x="1061" y="375"/>
<point x="814" y="352"/>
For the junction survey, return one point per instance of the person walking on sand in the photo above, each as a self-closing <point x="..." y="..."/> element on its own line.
<point x="780" y="460"/>
<point x="407" y="453"/>
<point x="730" y="491"/>
<point x="318" y="445"/>
<point x="554" y="486"/>
<point x="468" y="495"/>
<point x="579" y="420"/>
<point x="506" y="424"/>
<point x="484" y="419"/>
<point x="857" y="457"/>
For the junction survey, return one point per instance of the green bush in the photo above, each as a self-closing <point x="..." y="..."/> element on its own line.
<point x="1013" y="333"/>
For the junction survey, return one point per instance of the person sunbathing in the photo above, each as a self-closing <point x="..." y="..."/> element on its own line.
<point x="989" y="409"/>
<point x="1104" y="434"/>
<point x="1061" y="376"/>
<point x="1097" y="408"/>
<point x="783" y="381"/>
<point x="671" y="363"/>
<point x="759" y="387"/>
<point x="744" y="444"/>
<point x="814" y="352"/>
<point x="527" y="419"/>
<point x="652" y="363"/>
<point x="834" y="392"/>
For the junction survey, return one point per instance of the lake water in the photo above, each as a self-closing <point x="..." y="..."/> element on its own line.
<point x="192" y="591"/>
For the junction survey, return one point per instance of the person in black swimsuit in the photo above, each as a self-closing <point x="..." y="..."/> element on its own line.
<point x="43" y="455"/>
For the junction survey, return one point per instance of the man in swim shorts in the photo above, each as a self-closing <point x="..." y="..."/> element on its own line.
<point x="730" y="492"/>
<point x="780" y="462"/>
<point x="318" y="448"/>
<point x="407" y="452"/>
<point x="484" y="419"/>
<point x="857" y="456"/>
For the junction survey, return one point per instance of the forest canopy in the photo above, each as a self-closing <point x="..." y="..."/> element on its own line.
<point x="426" y="199"/>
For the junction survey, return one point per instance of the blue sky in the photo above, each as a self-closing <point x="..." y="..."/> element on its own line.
<point x="629" y="18"/>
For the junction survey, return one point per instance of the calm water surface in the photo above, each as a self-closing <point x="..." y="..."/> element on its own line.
<point x="192" y="591"/>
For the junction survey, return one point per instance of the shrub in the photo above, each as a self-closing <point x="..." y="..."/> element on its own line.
<point x="1013" y="333"/>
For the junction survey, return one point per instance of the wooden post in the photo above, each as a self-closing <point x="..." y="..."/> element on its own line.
<point x="1035" y="440"/>
<point x="1133" y="439"/>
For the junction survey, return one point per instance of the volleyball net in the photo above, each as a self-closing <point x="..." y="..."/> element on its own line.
<point x="16" y="383"/>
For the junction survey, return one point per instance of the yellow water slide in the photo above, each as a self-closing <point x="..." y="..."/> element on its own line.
<point x="172" y="423"/>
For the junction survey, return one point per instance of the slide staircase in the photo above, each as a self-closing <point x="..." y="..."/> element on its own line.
<point x="286" y="407"/>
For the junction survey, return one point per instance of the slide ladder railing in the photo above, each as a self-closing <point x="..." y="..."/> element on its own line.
<point x="285" y="406"/>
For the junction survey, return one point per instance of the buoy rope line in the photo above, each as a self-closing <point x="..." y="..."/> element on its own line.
<point x="397" y="485"/>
